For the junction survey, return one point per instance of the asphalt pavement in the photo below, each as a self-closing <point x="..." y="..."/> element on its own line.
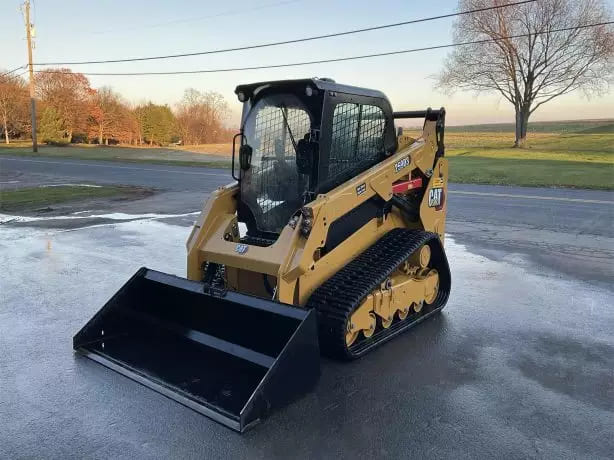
<point x="520" y="363"/>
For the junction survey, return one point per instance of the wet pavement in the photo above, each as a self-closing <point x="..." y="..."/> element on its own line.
<point x="519" y="364"/>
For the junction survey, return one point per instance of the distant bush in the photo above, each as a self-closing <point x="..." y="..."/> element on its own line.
<point x="51" y="131"/>
<point x="79" y="138"/>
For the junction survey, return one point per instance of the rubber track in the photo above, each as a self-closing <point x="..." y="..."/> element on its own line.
<point x="337" y="298"/>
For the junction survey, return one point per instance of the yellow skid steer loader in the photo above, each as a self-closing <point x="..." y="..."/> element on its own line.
<point x="329" y="240"/>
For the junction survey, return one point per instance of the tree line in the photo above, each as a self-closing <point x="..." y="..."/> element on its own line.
<point x="69" y="110"/>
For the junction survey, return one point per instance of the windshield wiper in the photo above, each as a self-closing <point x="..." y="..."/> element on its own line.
<point x="283" y="112"/>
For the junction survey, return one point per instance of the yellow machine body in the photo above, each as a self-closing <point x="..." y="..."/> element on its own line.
<point x="293" y="262"/>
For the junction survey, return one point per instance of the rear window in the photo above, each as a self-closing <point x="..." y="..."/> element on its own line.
<point x="357" y="137"/>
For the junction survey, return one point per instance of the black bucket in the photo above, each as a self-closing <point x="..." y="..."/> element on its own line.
<point x="232" y="357"/>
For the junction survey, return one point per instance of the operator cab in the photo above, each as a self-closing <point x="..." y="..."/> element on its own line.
<point x="300" y="138"/>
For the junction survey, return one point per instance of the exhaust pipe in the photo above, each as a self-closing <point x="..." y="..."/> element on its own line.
<point x="231" y="357"/>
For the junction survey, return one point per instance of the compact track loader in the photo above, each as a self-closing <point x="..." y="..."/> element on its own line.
<point x="329" y="240"/>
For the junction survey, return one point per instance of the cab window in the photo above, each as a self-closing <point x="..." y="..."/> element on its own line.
<point x="357" y="138"/>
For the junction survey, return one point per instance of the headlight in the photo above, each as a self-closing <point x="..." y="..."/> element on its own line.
<point x="307" y="221"/>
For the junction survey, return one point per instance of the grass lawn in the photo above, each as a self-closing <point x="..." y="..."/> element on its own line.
<point x="569" y="146"/>
<point x="552" y="160"/>
<point x="32" y="198"/>
<point x="170" y="156"/>
<point x="224" y="150"/>
<point x="534" y="173"/>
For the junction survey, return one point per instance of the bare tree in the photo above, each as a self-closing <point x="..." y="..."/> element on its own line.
<point x="545" y="63"/>
<point x="200" y="116"/>
<point x="13" y="105"/>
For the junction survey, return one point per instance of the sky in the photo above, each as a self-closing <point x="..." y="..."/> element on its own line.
<point x="68" y="30"/>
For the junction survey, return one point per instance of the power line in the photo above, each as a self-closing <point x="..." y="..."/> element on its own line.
<point x="12" y="71"/>
<point x="199" y="18"/>
<point x="340" y="59"/>
<point x="287" y="42"/>
<point x="14" y="77"/>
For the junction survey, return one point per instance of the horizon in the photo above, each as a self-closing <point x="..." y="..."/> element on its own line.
<point x="406" y="80"/>
<point x="570" y="120"/>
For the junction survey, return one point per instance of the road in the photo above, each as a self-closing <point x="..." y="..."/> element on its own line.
<point x="520" y="364"/>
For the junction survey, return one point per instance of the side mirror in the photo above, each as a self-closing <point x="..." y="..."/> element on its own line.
<point x="245" y="157"/>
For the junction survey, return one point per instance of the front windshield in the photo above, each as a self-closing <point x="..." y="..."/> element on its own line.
<point x="273" y="188"/>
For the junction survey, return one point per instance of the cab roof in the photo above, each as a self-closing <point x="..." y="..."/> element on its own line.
<point x="324" y="84"/>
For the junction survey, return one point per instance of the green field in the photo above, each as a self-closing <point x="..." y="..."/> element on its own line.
<point x="603" y="126"/>
<point x="554" y="160"/>
<point x="540" y="173"/>
<point x="34" y="198"/>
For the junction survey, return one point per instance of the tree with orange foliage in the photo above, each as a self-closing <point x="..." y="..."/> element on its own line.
<point x="107" y="114"/>
<point x="13" y="105"/>
<point x="128" y="129"/>
<point x="69" y="94"/>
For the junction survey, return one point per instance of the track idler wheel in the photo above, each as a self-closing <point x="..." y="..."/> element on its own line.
<point x="432" y="287"/>
<point x="357" y="324"/>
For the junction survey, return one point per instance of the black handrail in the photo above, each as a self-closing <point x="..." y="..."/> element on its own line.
<point x="240" y="133"/>
<point x="438" y="115"/>
<point x="429" y="114"/>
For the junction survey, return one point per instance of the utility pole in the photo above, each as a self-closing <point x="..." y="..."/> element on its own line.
<point x="32" y="98"/>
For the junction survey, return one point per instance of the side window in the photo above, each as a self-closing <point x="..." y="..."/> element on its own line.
<point x="357" y="137"/>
